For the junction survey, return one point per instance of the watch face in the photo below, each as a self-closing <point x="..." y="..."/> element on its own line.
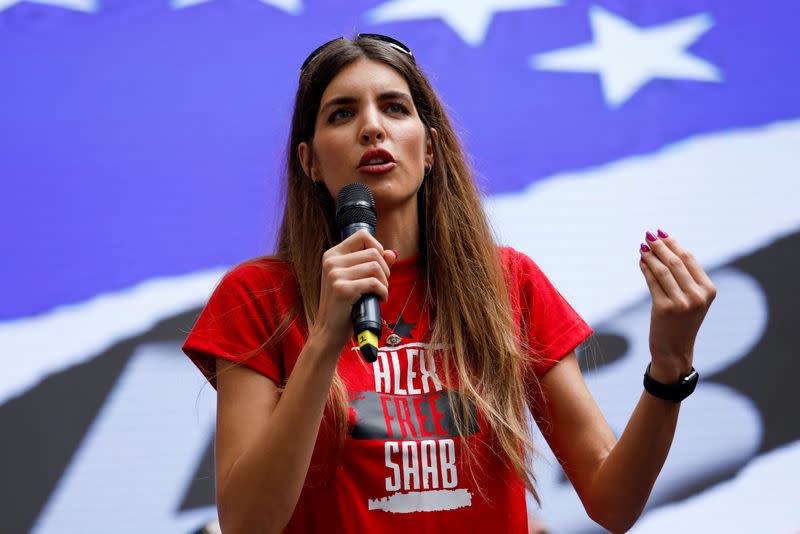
<point x="694" y="375"/>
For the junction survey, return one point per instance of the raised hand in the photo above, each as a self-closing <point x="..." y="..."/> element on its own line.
<point x="356" y="266"/>
<point x="682" y="293"/>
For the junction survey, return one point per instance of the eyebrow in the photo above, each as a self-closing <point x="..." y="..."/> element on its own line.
<point x="347" y="100"/>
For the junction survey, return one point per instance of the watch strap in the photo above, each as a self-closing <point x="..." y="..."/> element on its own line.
<point x="673" y="392"/>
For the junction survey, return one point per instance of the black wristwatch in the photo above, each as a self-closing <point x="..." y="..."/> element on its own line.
<point x="674" y="392"/>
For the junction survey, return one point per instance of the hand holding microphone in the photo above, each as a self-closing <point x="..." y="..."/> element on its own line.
<point x="355" y="275"/>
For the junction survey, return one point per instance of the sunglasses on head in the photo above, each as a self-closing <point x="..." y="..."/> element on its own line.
<point x="391" y="41"/>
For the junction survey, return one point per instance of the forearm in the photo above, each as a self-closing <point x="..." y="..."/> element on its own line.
<point x="264" y="484"/>
<point x="623" y="482"/>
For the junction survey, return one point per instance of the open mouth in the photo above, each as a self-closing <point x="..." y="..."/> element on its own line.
<point x="376" y="160"/>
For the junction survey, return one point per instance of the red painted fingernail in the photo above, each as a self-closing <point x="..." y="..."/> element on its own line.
<point x="662" y="234"/>
<point x="651" y="236"/>
<point x="396" y="254"/>
<point x="644" y="248"/>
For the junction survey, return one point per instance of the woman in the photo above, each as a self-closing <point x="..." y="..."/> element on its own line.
<point x="433" y="434"/>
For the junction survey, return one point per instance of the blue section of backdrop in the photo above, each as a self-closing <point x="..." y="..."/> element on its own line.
<point x="143" y="141"/>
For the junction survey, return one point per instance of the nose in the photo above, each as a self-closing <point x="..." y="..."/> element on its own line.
<point x="372" y="129"/>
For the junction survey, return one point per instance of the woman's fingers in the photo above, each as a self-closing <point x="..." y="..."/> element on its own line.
<point x="363" y="270"/>
<point x="355" y="258"/>
<point x="359" y="241"/>
<point x="682" y="280"/>
<point x="692" y="265"/>
<point x="671" y="260"/>
<point x="390" y="257"/>
<point x="359" y="247"/>
<point x="355" y="289"/>
<point x="358" y="265"/>
<point x="652" y="283"/>
<point x="661" y="273"/>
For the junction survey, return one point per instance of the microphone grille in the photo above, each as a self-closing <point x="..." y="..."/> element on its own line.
<point x="355" y="205"/>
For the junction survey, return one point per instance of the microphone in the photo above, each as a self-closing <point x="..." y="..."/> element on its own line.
<point x="355" y="209"/>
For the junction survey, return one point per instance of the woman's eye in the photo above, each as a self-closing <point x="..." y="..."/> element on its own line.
<point x="397" y="108"/>
<point x="339" y="114"/>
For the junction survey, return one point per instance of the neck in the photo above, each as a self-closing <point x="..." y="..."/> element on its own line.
<point x="398" y="228"/>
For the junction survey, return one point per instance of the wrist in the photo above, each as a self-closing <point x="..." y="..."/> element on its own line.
<point x="324" y="342"/>
<point x="671" y="390"/>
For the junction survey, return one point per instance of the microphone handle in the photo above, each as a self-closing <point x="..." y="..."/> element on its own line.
<point x="366" y="313"/>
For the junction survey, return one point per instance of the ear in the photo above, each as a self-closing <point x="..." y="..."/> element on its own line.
<point x="304" y="155"/>
<point x="429" y="142"/>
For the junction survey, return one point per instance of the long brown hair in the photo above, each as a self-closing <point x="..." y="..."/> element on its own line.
<point x="472" y="318"/>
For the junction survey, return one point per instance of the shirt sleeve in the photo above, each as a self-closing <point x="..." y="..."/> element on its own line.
<point x="236" y="322"/>
<point x="549" y="327"/>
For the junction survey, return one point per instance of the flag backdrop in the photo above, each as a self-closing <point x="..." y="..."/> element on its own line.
<point x="142" y="144"/>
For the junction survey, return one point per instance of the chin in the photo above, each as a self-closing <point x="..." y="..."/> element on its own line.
<point x="389" y="199"/>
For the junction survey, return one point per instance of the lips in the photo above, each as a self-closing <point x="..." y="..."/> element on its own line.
<point x="376" y="158"/>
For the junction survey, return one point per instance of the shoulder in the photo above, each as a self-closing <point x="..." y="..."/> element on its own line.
<point x="263" y="279"/>
<point x="261" y="288"/>
<point x="524" y="279"/>
<point x="516" y="263"/>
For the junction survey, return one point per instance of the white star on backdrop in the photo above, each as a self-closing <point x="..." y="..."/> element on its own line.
<point x="627" y="57"/>
<point x="89" y="6"/>
<point x="293" y="7"/>
<point x="470" y="19"/>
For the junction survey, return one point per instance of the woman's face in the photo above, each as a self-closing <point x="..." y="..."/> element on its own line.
<point x="368" y="131"/>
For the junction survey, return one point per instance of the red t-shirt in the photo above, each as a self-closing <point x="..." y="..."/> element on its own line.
<point x="401" y="468"/>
